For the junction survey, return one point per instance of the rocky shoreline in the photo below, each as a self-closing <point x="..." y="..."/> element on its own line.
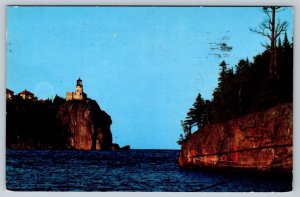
<point x="261" y="141"/>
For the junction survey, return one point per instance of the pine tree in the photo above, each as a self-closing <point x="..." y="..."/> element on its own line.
<point x="286" y="43"/>
<point x="198" y="115"/>
<point x="243" y="67"/>
<point x="219" y="93"/>
<point x="181" y="139"/>
<point x="279" y="44"/>
<point x="222" y="75"/>
<point x="195" y="116"/>
<point x="208" y="112"/>
<point x="186" y="129"/>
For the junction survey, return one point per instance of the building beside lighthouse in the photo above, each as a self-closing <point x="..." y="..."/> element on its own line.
<point x="26" y="95"/>
<point x="9" y="94"/>
<point x="78" y="94"/>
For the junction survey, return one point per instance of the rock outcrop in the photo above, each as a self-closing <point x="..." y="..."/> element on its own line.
<point x="260" y="141"/>
<point x="127" y="147"/>
<point x="84" y="125"/>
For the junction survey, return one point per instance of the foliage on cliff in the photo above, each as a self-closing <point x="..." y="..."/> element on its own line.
<point x="245" y="88"/>
<point x="31" y="124"/>
<point x="54" y="124"/>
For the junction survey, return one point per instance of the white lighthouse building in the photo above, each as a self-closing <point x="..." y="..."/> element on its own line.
<point x="78" y="94"/>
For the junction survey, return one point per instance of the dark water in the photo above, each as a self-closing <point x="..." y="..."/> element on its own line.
<point x="135" y="170"/>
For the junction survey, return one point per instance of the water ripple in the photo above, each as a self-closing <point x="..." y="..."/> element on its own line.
<point x="135" y="170"/>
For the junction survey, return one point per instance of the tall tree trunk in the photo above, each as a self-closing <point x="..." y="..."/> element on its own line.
<point x="269" y="29"/>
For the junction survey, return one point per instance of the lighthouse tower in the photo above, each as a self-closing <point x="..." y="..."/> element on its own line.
<point x="78" y="94"/>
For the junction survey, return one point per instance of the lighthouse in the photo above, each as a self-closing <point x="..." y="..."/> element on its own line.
<point x="78" y="94"/>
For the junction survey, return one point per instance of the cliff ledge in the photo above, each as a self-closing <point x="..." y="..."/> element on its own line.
<point x="84" y="125"/>
<point x="260" y="141"/>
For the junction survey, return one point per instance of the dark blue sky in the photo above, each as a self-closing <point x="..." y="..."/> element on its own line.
<point x="143" y="65"/>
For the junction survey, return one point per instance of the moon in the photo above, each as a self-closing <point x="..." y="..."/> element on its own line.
<point x="44" y="90"/>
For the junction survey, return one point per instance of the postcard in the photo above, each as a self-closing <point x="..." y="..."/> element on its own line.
<point x="149" y="98"/>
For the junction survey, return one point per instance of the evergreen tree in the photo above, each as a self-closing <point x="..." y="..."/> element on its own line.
<point x="286" y="43"/>
<point x="285" y="89"/>
<point x="198" y="112"/>
<point x="181" y="139"/>
<point x="186" y="129"/>
<point x="207" y="112"/>
<point x="225" y="95"/>
<point x="249" y="88"/>
<point x="195" y="116"/>
<point x="243" y="71"/>
<point x="279" y="44"/>
<point x="243" y="67"/>
<point x="222" y="75"/>
<point x="58" y="101"/>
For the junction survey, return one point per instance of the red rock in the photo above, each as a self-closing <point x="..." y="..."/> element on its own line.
<point x="260" y="141"/>
<point x="85" y="126"/>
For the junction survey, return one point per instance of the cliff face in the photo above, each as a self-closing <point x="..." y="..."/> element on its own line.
<point x="259" y="141"/>
<point x="84" y="126"/>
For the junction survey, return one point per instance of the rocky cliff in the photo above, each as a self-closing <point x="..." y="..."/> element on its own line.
<point x="260" y="141"/>
<point x="84" y="125"/>
<point x="57" y="124"/>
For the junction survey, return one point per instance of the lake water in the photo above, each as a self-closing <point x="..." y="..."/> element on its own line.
<point x="135" y="170"/>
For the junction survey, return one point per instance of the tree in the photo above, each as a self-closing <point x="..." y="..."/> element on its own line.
<point x="223" y="93"/>
<point x="286" y="44"/>
<point x="196" y="115"/>
<point x="279" y="44"/>
<point x="243" y="72"/>
<point x="200" y="114"/>
<point x="272" y="30"/>
<point x="208" y="112"/>
<point x="58" y="101"/>
<point x="181" y="139"/>
<point x="222" y="75"/>
<point x="285" y="66"/>
<point x="186" y="129"/>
